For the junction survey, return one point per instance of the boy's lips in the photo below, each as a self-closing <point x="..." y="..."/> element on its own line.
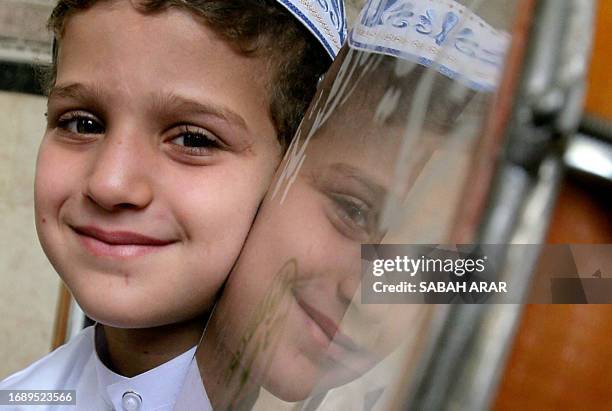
<point x="345" y="354"/>
<point x="328" y="326"/>
<point x="104" y="243"/>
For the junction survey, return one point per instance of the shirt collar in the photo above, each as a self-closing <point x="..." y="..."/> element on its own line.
<point x="157" y="388"/>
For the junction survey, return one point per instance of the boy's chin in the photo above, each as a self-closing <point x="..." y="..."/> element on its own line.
<point x="135" y="314"/>
<point x="111" y="317"/>
<point x="293" y="380"/>
<point x="119" y="320"/>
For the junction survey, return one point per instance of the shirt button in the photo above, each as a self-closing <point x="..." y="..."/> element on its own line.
<point x="131" y="401"/>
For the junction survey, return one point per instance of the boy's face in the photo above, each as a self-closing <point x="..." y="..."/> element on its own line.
<point x="158" y="150"/>
<point x="329" y="210"/>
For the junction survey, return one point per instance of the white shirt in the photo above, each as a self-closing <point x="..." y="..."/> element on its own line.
<point x="76" y="366"/>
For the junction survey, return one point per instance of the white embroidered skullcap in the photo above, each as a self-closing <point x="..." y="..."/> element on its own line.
<point x="325" y="19"/>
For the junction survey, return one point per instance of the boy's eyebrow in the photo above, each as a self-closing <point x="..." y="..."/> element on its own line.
<point x="75" y="91"/>
<point x="80" y="91"/>
<point x="376" y="190"/>
<point x="184" y="104"/>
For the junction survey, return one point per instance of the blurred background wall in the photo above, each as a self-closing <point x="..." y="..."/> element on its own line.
<point x="29" y="286"/>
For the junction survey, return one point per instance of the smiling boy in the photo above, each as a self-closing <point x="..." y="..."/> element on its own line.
<point x="166" y="121"/>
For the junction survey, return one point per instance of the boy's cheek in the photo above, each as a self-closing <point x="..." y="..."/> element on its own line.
<point x="49" y="176"/>
<point x="44" y="178"/>
<point x="57" y="179"/>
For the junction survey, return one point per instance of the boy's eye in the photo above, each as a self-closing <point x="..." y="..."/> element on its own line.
<point x="195" y="141"/>
<point x="353" y="209"/>
<point x="79" y="123"/>
<point x="352" y="217"/>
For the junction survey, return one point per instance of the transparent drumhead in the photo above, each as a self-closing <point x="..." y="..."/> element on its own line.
<point x="385" y="154"/>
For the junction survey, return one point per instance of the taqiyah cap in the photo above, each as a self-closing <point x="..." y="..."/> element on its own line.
<point x="325" y="19"/>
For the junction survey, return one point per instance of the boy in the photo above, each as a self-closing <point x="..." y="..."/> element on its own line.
<point x="166" y="121"/>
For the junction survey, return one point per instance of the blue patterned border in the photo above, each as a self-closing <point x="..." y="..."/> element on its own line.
<point x="442" y="69"/>
<point x="313" y="28"/>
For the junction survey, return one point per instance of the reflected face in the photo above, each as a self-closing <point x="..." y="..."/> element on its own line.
<point x="158" y="151"/>
<point x="325" y="336"/>
<point x="290" y="314"/>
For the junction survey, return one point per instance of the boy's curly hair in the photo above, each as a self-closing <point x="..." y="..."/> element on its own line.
<point x="253" y="27"/>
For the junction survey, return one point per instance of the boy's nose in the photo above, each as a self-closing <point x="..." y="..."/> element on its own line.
<point x="119" y="178"/>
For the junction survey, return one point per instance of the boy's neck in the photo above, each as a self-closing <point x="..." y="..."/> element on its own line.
<point x="130" y="352"/>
